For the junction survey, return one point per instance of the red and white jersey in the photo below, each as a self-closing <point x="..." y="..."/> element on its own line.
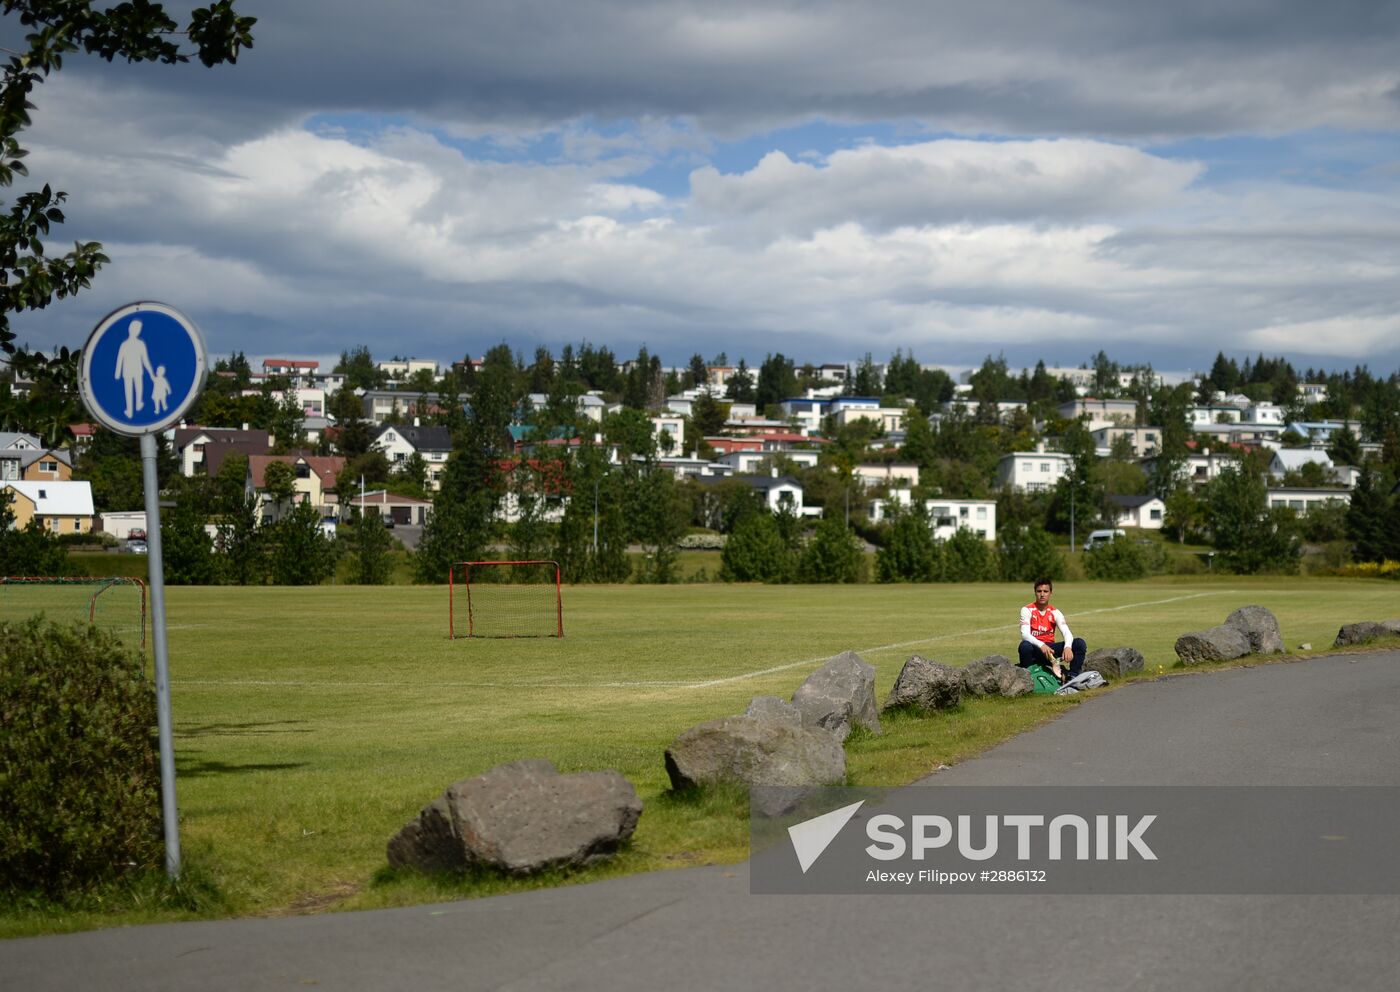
<point x="1042" y="625"/>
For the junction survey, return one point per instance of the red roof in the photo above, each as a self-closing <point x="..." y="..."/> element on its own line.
<point x="727" y="444"/>
<point x="289" y="362"/>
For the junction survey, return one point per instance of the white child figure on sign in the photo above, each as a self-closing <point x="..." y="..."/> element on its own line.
<point x="160" y="390"/>
<point x="132" y="360"/>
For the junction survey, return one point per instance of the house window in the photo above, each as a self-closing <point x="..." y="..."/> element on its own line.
<point x="981" y="513"/>
<point x="962" y="512"/>
<point x="1154" y="514"/>
<point x="303" y="470"/>
<point x="1045" y="466"/>
<point x="77" y="526"/>
<point x="1027" y="466"/>
<point x="785" y="498"/>
<point x="43" y="494"/>
<point x="48" y="466"/>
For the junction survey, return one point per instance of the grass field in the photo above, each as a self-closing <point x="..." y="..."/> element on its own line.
<point x="312" y="723"/>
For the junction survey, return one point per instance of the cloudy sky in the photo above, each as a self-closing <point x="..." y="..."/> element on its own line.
<point x="1043" y="178"/>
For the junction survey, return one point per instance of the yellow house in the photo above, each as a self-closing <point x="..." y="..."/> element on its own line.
<point x="61" y="507"/>
<point x="51" y="465"/>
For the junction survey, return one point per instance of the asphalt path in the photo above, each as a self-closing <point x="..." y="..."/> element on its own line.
<point x="1327" y="721"/>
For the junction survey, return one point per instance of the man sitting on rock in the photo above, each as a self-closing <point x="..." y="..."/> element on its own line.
<point x="1039" y="623"/>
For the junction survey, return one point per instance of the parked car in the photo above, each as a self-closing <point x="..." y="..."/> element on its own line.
<point x="1099" y="538"/>
<point x="136" y="547"/>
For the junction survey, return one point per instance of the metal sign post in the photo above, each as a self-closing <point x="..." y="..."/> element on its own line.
<point x="142" y="368"/>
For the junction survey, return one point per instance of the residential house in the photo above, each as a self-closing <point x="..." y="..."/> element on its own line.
<point x="46" y="465"/>
<point x="192" y="446"/>
<point x="887" y="474"/>
<point x="408" y="367"/>
<point x="806" y="412"/>
<point x="314" y="482"/>
<point x="848" y="409"/>
<point x="1144" y="440"/>
<point x="668" y="431"/>
<point x="946" y="516"/>
<point x="289" y="367"/>
<point x="381" y="405"/>
<point x="780" y="492"/>
<point x="1205" y="414"/>
<point x="13" y="448"/>
<point x="1319" y="432"/>
<point x="1099" y="412"/>
<point x="60" y="507"/>
<point x="1146" y="512"/>
<point x="1303" y="499"/>
<point x="1294" y="459"/>
<point x="400" y="443"/>
<point x="1032" y="471"/>
<point x="1264" y="413"/>
<point x="746" y="461"/>
<point x="402" y="510"/>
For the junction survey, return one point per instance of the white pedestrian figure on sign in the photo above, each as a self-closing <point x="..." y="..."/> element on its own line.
<point x="160" y="390"/>
<point x="132" y="360"/>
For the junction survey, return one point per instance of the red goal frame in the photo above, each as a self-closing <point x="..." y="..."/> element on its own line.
<point x="471" y="622"/>
<point x="102" y="582"/>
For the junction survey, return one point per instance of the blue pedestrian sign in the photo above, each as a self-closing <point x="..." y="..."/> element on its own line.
<point x="142" y="368"/>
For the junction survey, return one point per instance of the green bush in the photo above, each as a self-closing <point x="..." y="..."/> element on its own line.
<point x="756" y="552"/>
<point x="1117" y="561"/>
<point x="79" y="771"/>
<point x="1029" y="553"/>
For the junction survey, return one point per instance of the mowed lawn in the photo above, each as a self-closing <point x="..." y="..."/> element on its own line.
<point x="312" y="723"/>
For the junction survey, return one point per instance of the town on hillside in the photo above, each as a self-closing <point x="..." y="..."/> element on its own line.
<point x="589" y="459"/>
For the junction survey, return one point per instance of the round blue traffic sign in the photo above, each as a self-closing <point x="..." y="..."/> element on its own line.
<point x="142" y="368"/>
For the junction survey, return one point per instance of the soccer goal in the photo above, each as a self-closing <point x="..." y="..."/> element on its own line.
<point x="504" y="599"/>
<point x="117" y="604"/>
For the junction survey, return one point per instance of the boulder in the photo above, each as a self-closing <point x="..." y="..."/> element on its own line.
<point x="1363" y="632"/>
<point x="838" y="694"/>
<point x="994" y="675"/>
<point x="1259" y="625"/>
<point x="926" y="685"/>
<point x="519" y="818"/>
<point x="1114" y="663"/>
<point x="774" y="708"/>
<point x="1216" y="644"/>
<point x="753" y="751"/>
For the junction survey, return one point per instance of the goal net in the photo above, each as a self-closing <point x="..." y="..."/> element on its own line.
<point x="117" y="604"/>
<point x="504" y="599"/>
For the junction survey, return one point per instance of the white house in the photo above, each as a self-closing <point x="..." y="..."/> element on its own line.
<point x="946" y="516"/>
<point x="1100" y="411"/>
<point x="669" y="433"/>
<point x="1144" y="440"/>
<point x="399" y="443"/>
<point x="745" y="462"/>
<point x="1302" y="500"/>
<point x="779" y="492"/>
<point x="891" y="473"/>
<point x="408" y="367"/>
<point x="1214" y="413"/>
<point x="193" y="445"/>
<point x="1147" y="512"/>
<point x="1293" y="459"/>
<point x="1032" y="471"/>
<point x="1264" y="413"/>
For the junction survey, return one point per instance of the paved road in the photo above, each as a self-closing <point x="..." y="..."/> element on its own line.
<point x="1328" y="721"/>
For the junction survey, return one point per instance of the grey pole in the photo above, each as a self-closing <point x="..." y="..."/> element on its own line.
<point x="156" y="573"/>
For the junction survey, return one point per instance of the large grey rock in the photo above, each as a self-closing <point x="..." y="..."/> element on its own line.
<point x="994" y="675"/>
<point x="1114" y="663"/>
<point x="755" y="751"/>
<point x="520" y="817"/>
<point x="774" y="708"/>
<point x="926" y="685"/>
<point x="1216" y="644"/>
<point x="1365" y="631"/>
<point x="838" y="694"/>
<point x="1260" y="626"/>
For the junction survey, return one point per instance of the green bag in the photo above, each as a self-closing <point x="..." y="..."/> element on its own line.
<point x="1043" y="681"/>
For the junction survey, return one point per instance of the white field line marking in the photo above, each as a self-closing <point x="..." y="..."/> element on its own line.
<point x="940" y="637"/>
<point x="274" y="683"/>
<point x="424" y="685"/>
